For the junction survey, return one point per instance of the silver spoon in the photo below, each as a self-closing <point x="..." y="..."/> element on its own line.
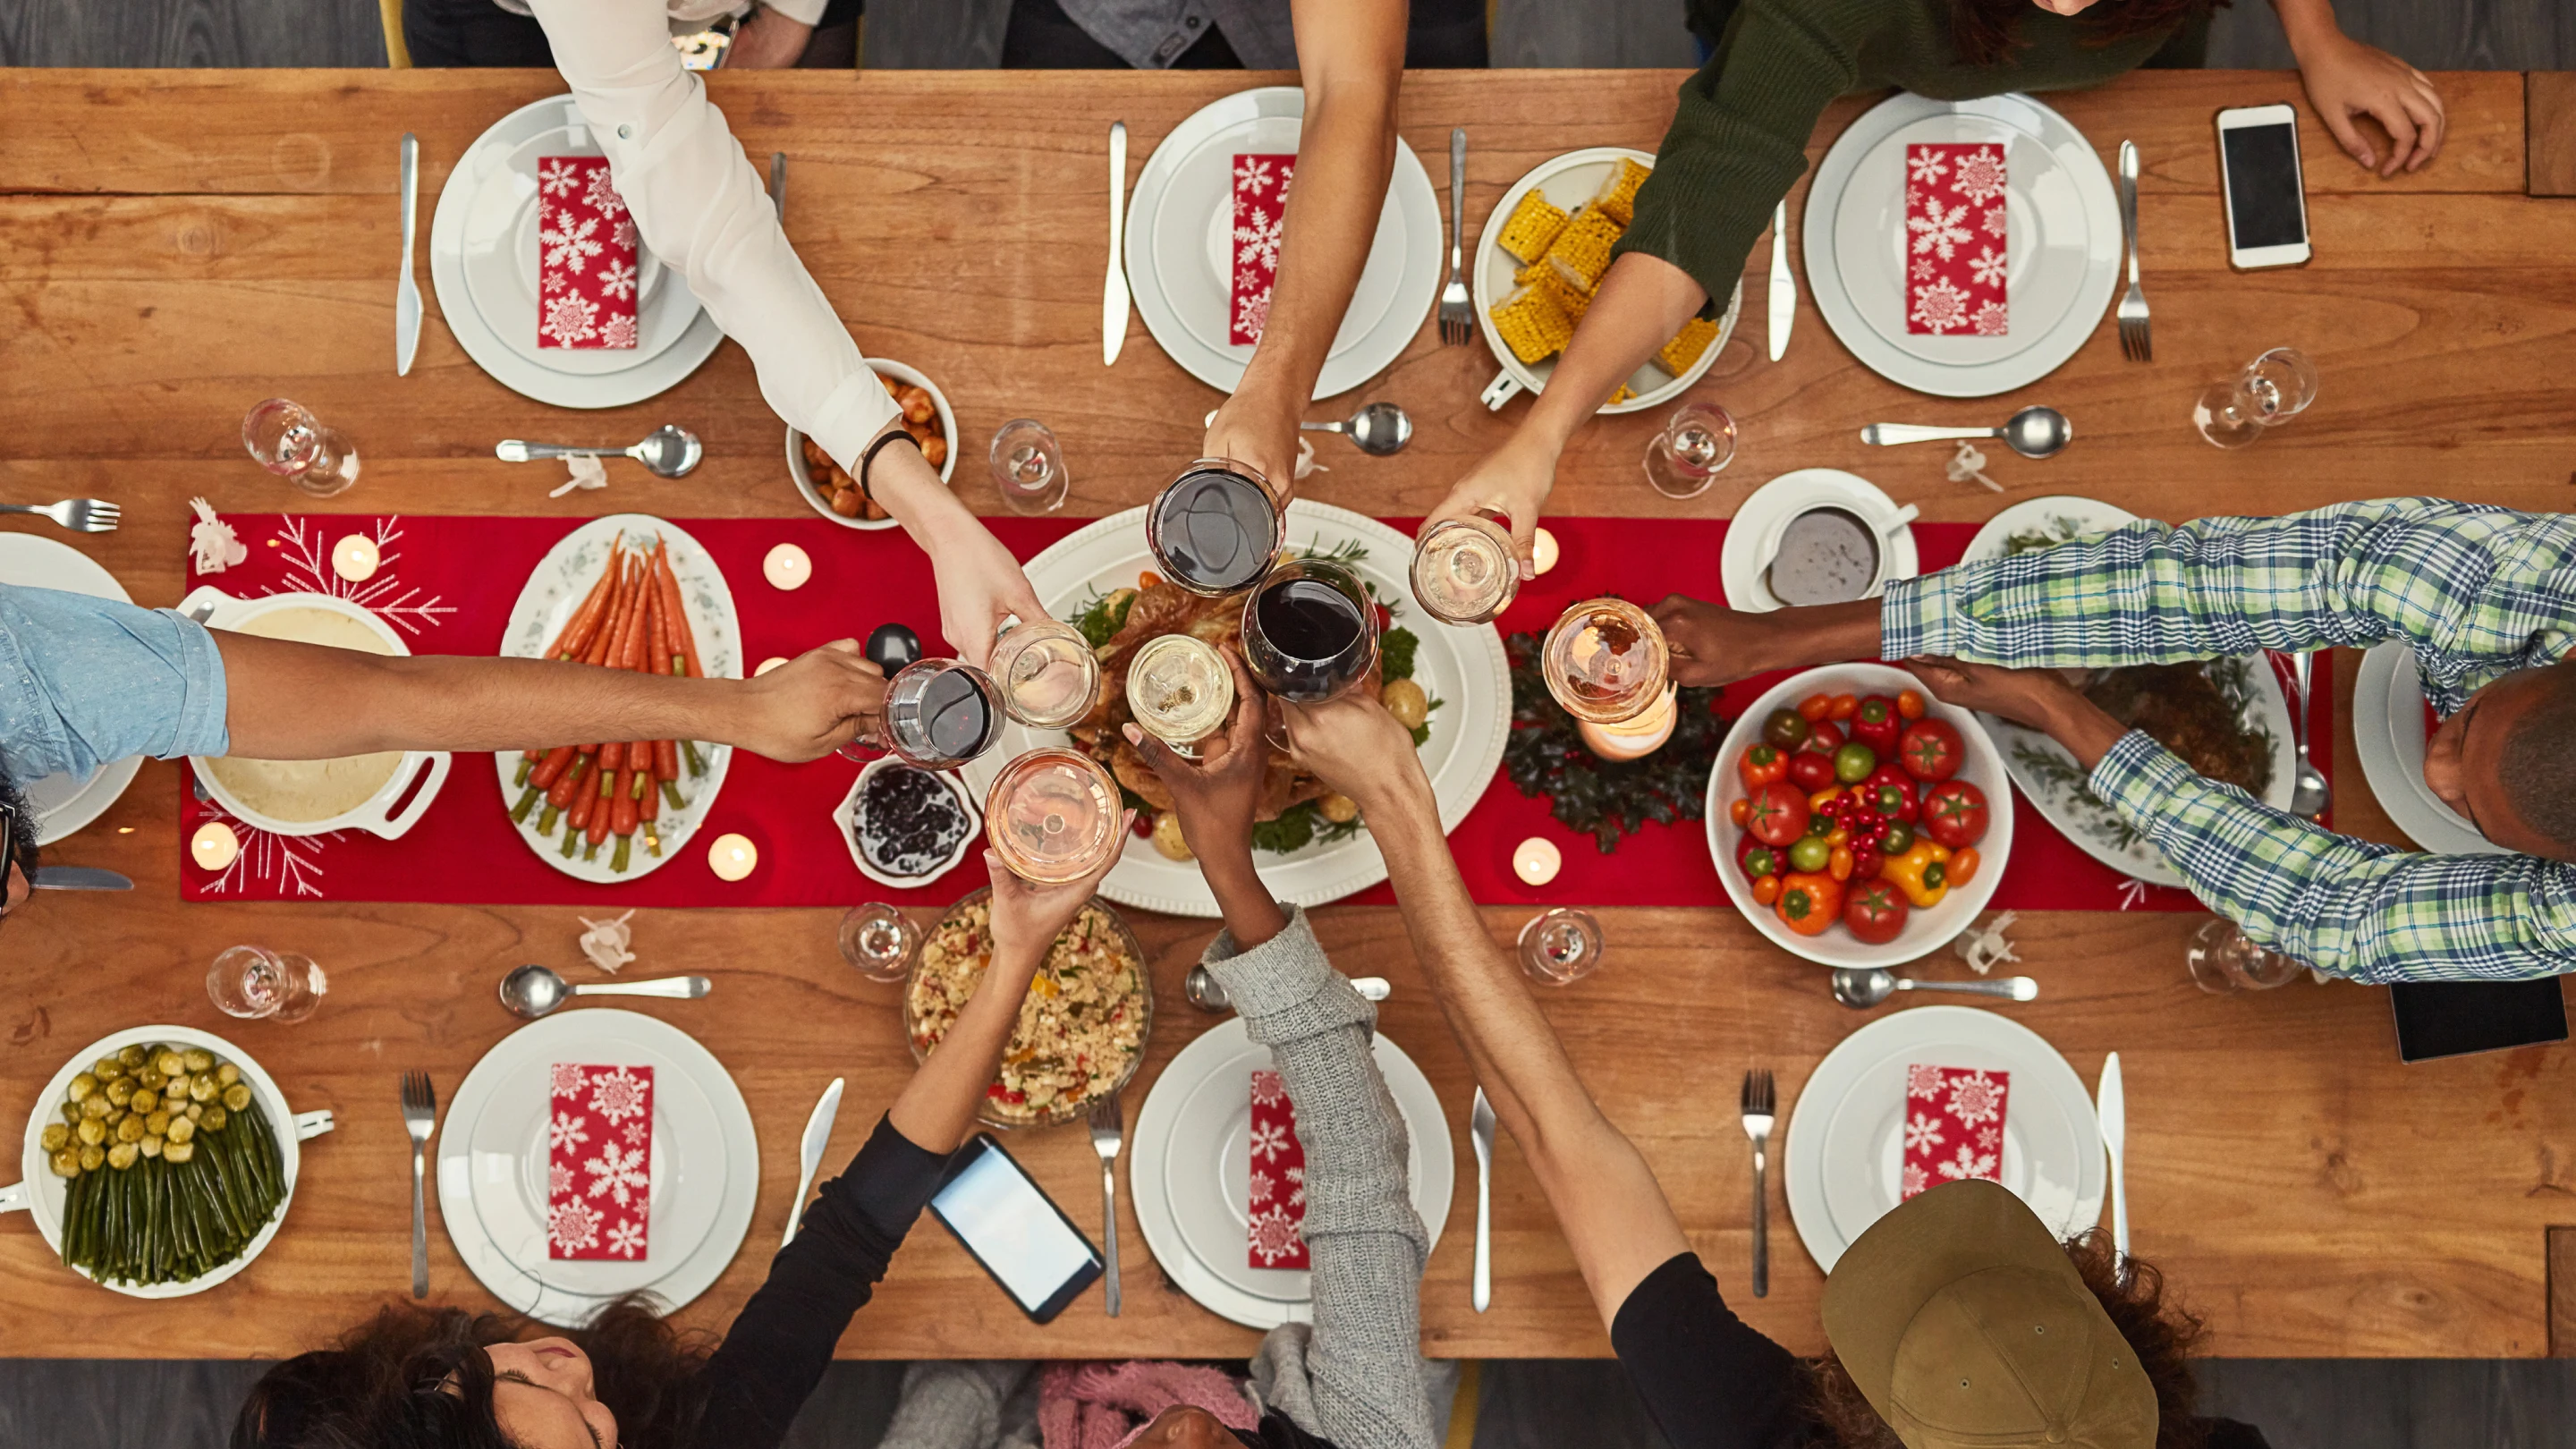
<point x="1378" y="429"/>
<point x="1201" y="987"/>
<point x="532" y="991"/>
<point x="2310" y="795"/>
<point x="1861" y="987"/>
<point x="670" y="452"/>
<point x="2032" y="432"/>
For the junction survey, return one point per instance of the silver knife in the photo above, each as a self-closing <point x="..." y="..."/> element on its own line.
<point x="1784" y="291"/>
<point x="79" y="878"/>
<point x="2111" y="1109"/>
<point x="1113" y="300"/>
<point x="407" y="293"/>
<point x="1480" y="1131"/>
<point x="818" y="1135"/>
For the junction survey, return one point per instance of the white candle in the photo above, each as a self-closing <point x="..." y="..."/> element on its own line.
<point x="355" y="558"/>
<point x="1636" y="738"/>
<point x="787" y="567"/>
<point x="732" y="857"/>
<point x="214" y="846"/>
<point x="768" y="664"/>
<point x="1537" y="860"/>
<point x="1543" y="551"/>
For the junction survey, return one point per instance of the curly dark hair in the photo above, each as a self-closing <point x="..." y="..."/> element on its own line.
<point x="21" y="842"/>
<point x="1982" y="30"/>
<point x="385" y="1385"/>
<point x="2162" y="1333"/>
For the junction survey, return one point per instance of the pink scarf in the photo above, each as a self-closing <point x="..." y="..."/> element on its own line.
<point x="1088" y="1406"/>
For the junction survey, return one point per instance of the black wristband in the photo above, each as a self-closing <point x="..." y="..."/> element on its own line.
<point x="869" y="457"/>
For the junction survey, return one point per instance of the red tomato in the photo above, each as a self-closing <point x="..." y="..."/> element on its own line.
<point x="1824" y="737"/>
<point x="1779" y="814"/>
<point x="1954" y="814"/>
<point x="1931" y="749"/>
<point x="1875" y="912"/>
<point x="1810" y="771"/>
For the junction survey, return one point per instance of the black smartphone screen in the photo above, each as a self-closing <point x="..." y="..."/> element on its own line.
<point x="1014" y="1229"/>
<point x="2450" y="1018"/>
<point x="2263" y="206"/>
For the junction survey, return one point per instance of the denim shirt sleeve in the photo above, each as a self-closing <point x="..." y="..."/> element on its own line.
<point x="84" y="681"/>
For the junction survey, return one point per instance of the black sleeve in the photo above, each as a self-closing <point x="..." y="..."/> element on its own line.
<point x="783" y="1339"/>
<point x="1710" y="1380"/>
<point x="2229" y="1434"/>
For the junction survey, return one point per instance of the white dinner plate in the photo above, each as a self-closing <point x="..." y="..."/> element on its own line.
<point x="2388" y="733"/>
<point x="1461" y="666"/>
<point x="1192" y="1171"/>
<point x="555" y="588"/>
<point x="2063" y="242"/>
<point x="483" y="216"/>
<point x="63" y="804"/>
<point x="1740" y="560"/>
<point x="1567" y="182"/>
<point x="493" y="1160"/>
<point x="1844" y="1152"/>
<point x="1180" y="246"/>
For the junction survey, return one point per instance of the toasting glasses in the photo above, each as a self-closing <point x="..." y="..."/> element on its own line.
<point x="1215" y="528"/>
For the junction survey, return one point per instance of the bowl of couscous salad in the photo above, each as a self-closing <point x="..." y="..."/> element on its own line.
<point x="1083" y="1025"/>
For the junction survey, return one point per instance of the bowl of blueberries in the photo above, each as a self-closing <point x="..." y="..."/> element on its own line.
<point x="906" y="826"/>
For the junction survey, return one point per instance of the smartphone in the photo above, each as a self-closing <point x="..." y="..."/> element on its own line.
<point x="2267" y="198"/>
<point x="2452" y="1018"/>
<point x="1014" y="1229"/>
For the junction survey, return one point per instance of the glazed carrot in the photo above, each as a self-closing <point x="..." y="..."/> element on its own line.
<point x="684" y="642"/>
<point x="600" y="812"/>
<point x="620" y="598"/>
<point x="551" y="769"/>
<point x="560" y="793"/>
<point x="631" y="654"/>
<point x="665" y="754"/>
<point x="622" y="811"/>
<point x="585" y="804"/>
<point x="612" y="757"/>
<point x="648" y="802"/>
<point x="574" y="637"/>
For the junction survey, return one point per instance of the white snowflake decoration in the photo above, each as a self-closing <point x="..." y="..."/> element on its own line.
<point x="1923" y="1081"/>
<point x="602" y="195"/>
<point x="1268" y="1090"/>
<point x="617" y="1095"/>
<point x="1967" y="1165"/>
<point x="616" y="279"/>
<point x="624" y="233"/>
<point x="635" y="1133"/>
<point x="558" y="177"/>
<point x="1976" y="1097"/>
<point x="572" y="242"/>
<point x="1995" y="222"/>
<point x="1923" y="1132"/>
<point x="1986" y="268"/>
<point x="1941" y="306"/>
<point x="1269" y="1141"/>
<point x="1926" y="167"/>
<point x="1274" y="1235"/>
<point x="574" y="1225"/>
<point x="618" y="330"/>
<point x="1937" y="230"/>
<point x="309" y="571"/>
<point x="564" y="1079"/>
<point x="1257" y="244"/>
<point x="569" y="318"/>
<point x="1991" y="320"/>
<point x="1921" y="269"/>
<point x="1252" y="174"/>
<point x="1981" y="175"/>
<point x="565" y="1131"/>
<point x="1915" y="1179"/>
<point x="626" y="1239"/>
<point x="618" y="1175"/>
<point x="1990" y="1138"/>
<point x="1252" y="314"/>
<point x="558" y="1180"/>
<point x="1263" y="1186"/>
<point x="294" y="862"/>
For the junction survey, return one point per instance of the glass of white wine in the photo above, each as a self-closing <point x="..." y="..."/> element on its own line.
<point x="1464" y="571"/>
<point x="1181" y="690"/>
<point x="1605" y="660"/>
<point x="1053" y="816"/>
<point x="1047" y="673"/>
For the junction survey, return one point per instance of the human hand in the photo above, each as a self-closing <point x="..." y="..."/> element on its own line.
<point x="1217" y="794"/>
<point x="1711" y="644"/>
<point x="767" y="40"/>
<point x="1027" y="917"/>
<point x="1514" y="481"/>
<point x="980" y="585"/>
<point x="821" y="699"/>
<point x="2346" y="78"/>
<point x="1259" y="433"/>
<point x="1358" y="749"/>
<point x="2033" y="698"/>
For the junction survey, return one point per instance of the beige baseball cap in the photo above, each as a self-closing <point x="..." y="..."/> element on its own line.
<point x="1966" y="1327"/>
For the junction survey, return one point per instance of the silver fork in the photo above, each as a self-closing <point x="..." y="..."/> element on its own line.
<point x="420" y="1114"/>
<point x="2136" y="343"/>
<point x="1108" y="1133"/>
<point x="1457" y="313"/>
<point x="1757" y="1125"/>
<point x="80" y="515"/>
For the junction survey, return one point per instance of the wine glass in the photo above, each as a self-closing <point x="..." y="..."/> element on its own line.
<point x="1605" y="660"/>
<point x="940" y="713"/>
<point x="1180" y="689"/>
<point x="1053" y="816"/>
<point x="1215" y="527"/>
<point x="1028" y="466"/>
<point x="1691" y="451"/>
<point x="1309" y="631"/>
<point x="256" y="983"/>
<point x="2223" y="961"/>
<point x="1464" y="571"/>
<point x="1561" y="945"/>
<point x="880" y="941"/>
<point x="2233" y="411"/>
<point x="1047" y="673"/>
<point x="290" y="442"/>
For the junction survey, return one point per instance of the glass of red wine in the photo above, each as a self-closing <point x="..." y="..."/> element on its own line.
<point x="940" y="713"/>
<point x="1309" y="631"/>
<point x="1216" y="527"/>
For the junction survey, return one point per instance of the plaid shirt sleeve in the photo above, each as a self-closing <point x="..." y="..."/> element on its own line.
<point x="2345" y="906"/>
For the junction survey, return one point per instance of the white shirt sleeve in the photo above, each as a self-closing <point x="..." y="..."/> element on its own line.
<point x="700" y="207"/>
<point x="804" y="12"/>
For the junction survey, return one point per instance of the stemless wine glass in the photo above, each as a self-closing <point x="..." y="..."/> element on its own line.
<point x="1309" y="631"/>
<point x="1561" y="945"/>
<point x="1694" y="447"/>
<point x="1028" y="466"/>
<point x="2233" y="411"/>
<point x="1605" y="660"/>
<point x="880" y="941"/>
<point x="1053" y="816"/>
<point x="1180" y="689"/>
<point x="1216" y="526"/>
<point x="256" y="983"/>
<point x="291" y="443"/>
<point x="1464" y="571"/>
<point x="940" y="713"/>
<point x="1047" y="673"/>
<point x="2223" y="961"/>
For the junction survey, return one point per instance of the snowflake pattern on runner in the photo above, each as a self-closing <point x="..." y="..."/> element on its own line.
<point x="599" y="1168"/>
<point x="1960" y="1134"/>
<point x="583" y="305"/>
<point x="1277" y="1193"/>
<point x="1259" y="213"/>
<point x="1956" y="193"/>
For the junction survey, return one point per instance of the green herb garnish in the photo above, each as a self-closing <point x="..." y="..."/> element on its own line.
<point x="1606" y="799"/>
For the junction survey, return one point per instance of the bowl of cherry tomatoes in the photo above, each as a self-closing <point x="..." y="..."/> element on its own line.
<point x="1856" y="820"/>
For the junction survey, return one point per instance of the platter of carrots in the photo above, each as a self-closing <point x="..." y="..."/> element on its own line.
<point x="629" y="592"/>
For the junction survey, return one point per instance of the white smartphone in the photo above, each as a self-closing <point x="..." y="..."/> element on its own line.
<point x="2267" y="198"/>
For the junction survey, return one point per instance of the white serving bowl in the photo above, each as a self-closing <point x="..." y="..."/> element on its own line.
<point x="804" y="480"/>
<point x="845" y="818"/>
<point x="1926" y="931"/>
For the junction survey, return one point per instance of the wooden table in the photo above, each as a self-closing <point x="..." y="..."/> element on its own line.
<point x="178" y="245"/>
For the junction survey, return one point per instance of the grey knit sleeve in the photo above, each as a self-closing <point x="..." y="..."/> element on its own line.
<point x="1357" y="1379"/>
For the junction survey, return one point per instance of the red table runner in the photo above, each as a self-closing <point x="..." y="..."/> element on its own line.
<point x="446" y="584"/>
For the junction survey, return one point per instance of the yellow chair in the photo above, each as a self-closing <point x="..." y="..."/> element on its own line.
<point x="1462" y="1408"/>
<point x="397" y="55"/>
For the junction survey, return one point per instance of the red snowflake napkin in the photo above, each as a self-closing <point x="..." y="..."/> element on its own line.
<point x="599" y="1178"/>
<point x="1260" y="205"/>
<point x="586" y="281"/>
<point x="1954" y="223"/>
<point x="1278" y="1177"/>
<point x="1954" y="1125"/>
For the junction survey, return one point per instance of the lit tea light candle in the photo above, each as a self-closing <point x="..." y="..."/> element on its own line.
<point x="355" y="558"/>
<point x="1536" y="861"/>
<point x="768" y="664"/>
<point x="214" y="846"/>
<point x="732" y="857"/>
<point x="787" y="567"/>
<point x="1636" y="738"/>
<point x="1543" y="551"/>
